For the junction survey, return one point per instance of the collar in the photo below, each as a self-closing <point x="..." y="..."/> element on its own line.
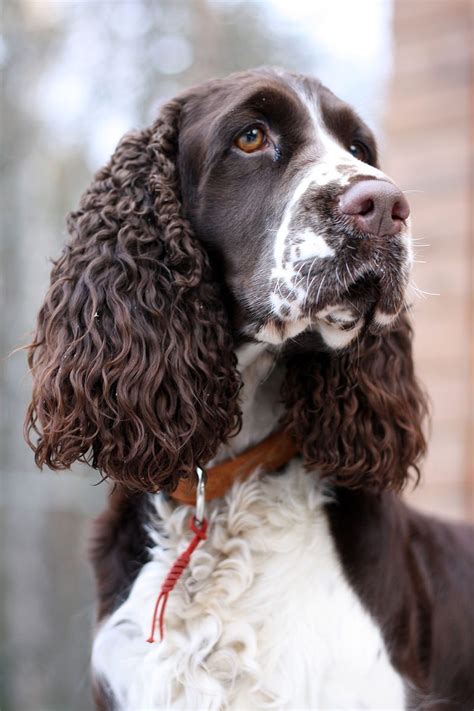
<point x="270" y="454"/>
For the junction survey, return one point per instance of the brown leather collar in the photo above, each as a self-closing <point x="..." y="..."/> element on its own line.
<point x="272" y="453"/>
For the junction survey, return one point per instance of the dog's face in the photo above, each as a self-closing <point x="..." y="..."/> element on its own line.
<point x="280" y="181"/>
<point x="293" y="237"/>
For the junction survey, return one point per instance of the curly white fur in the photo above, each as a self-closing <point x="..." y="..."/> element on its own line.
<point x="262" y="619"/>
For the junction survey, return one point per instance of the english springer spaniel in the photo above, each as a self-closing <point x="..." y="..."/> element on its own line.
<point x="232" y="300"/>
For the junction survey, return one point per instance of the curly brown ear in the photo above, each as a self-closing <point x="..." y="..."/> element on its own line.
<point x="133" y="363"/>
<point x="358" y="416"/>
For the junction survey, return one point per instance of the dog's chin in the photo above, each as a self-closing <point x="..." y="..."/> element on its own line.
<point x="307" y="334"/>
<point x="335" y="319"/>
<point x="335" y="327"/>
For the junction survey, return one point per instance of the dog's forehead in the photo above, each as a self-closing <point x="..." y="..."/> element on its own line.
<point x="224" y="97"/>
<point x="280" y="93"/>
<point x="328" y="112"/>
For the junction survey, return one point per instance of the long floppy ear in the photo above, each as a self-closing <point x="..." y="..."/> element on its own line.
<point x="358" y="416"/>
<point x="133" y="362"/>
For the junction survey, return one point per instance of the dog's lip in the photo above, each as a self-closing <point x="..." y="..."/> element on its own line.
<point x="342" y="316"/>
<point x="365" y="285"/>
<point x="342" y="325"/>
<point x="359" y="303"/>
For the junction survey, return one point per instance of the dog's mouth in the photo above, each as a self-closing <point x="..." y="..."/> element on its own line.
<point x="372" y="300"/>
<point x="340" y="298"/>
<point x="355" y="304"/>
<point x="339" y="317"/>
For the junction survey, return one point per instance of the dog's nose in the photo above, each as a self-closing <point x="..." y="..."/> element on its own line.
<point x="377" y="207"/>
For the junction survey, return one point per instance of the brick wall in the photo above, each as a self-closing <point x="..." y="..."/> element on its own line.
<point x="429" y="149"/>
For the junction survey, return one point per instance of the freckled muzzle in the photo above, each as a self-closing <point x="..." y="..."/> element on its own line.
<point x="346" y="259"/>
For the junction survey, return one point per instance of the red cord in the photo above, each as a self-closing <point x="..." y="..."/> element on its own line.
<point x="175" y="573"/>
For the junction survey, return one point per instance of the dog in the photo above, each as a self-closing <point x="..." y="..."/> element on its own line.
<point x="232" y="304"/>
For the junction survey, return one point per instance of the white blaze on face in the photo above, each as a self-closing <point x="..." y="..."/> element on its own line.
<point x="320" y="174"/>
<point x="336" y="165"/>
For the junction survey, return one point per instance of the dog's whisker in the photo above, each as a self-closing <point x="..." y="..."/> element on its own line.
<point x="421" y="292"/>
<point x="319" y="288"/>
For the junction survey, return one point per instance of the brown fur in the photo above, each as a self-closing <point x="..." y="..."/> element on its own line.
<point x="133" y="357"/>
<point x="358" y="416"/>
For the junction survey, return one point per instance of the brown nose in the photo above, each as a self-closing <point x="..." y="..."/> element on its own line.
<point x="377" y="207"/>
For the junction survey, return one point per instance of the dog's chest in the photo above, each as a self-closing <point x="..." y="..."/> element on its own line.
<point x="263" y="618"/>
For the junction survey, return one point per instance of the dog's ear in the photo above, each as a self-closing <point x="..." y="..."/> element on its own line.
<point x="358" y="416"/>
<point x="133" y="362"/>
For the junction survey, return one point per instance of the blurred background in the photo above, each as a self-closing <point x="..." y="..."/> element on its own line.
<point x="76" y="76"/>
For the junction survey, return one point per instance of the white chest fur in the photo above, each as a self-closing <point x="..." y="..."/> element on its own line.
<point x="263" y="618"/>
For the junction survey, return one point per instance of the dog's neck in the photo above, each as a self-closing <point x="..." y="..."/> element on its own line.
<point x="259" y="397"/>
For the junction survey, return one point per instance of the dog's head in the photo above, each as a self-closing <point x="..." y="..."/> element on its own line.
<point x="252" y="209"/>
<point x="280" y="182"/>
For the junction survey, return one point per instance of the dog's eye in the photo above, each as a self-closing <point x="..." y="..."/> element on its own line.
<point x="360" y="151"/>
<point x="251" y="140"/>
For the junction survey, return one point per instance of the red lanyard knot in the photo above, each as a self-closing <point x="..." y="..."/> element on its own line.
<point x="176" y="571"/>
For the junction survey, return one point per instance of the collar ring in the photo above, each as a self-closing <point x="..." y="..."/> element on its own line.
<point x="200" y="496"/>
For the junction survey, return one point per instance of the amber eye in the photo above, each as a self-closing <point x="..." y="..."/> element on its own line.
<point x="360" y="151"/>
<point x="251" y="140"/>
